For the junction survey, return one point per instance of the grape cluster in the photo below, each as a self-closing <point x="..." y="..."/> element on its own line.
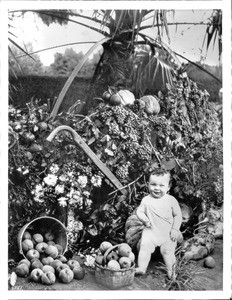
<point x="106" y="114"/>
<point x="218" y="185"/>
<point x="122" y="172"/>
<point x="191" y="112"/>
<point x="197" y="101"/>
<point x="144" y="152"/>
<point x="131" y="148"/>
<point x="120" y="113"/>
<point x="114" y="129"/>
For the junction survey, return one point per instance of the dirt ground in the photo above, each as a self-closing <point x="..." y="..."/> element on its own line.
<point x="155" y="279"/>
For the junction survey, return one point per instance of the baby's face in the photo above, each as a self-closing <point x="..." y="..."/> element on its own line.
<point x="159" y="185"/>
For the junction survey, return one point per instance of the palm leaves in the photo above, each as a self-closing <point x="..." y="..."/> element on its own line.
<point x="130" y="56"/>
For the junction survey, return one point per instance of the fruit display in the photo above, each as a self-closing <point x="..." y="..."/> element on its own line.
<point x="115" y="257"/>
<point x="44" y="261"/>
<point x="115" y="265"/>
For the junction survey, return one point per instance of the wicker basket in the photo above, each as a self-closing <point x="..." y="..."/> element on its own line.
<point x="42" y="225"/>
<point x="113" y="279"/>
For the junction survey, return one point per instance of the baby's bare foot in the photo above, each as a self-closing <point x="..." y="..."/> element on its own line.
<point x="139" y="271"/>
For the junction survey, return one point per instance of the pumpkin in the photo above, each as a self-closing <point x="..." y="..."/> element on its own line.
<point x="133" y="229"/>
<point x="123" y="97"/>
<point x="150" y="104"/>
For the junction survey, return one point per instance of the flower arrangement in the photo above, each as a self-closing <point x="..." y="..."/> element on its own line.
<point x="68" y="187"/>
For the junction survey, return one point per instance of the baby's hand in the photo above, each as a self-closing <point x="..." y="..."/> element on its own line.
<point x="147" y="223"/>
<point x="174" y="234"/>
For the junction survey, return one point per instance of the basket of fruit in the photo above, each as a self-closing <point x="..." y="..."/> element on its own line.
<point x="115" y="266"/>
<point x="43" y="235"/>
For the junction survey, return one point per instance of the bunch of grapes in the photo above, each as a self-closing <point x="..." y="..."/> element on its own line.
<point x="218" y="185"/>
<point x="122" y="172"/>
<point x="106" y="114"/>
<point x="120" y="113"/>
<point x="145" y="152"/>
<point x="114" y="129"/>
<point x="191" y="112"/>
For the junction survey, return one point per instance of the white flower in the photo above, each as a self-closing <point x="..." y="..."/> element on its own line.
<point x="96" y="180"/>
<point x="89" y="202"/>
<point x="38" y="189"/>
<point x="59" y="189"/>
<point x="86" y="193"/>
<point x="70" y="174"/>
<point x="38" y="199"/>
<point x="54" y="168"/>
<point x="62" y="177"/>
<point x="62" y="201"/>
<point x="50" y="180"/>
<point x="82" y="180"/>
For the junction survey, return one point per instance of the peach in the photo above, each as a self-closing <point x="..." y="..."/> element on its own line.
<point x="47" y="268"/>
<point x="26" y="235"/>
<point x="73" y="263"/>
<point x="27" y="244"/>
<point x="41" y="247"/>
<point x="36" y="264"/>
<point x="47" y="260"/>
<point x="25" y="261"/>
<point x="60" y="248"/>
<point x="36" y="275"/>
<point x="22" y="270"/>
<point x="125" y="262"/>
<point x="61" y="267"/>
<point x="79" y="273"/>
<point x="62" y="258"/>
<point x="113" y="265"/>
<point x="55" y="263"/>
<point x="32" y="254"/>
<point x="37" y="238"/>
<point x="48" y="278"/>
<point x="124" y="249"/>
<point x="51" y="251"/>
<point x="105" y="246"/>
<point x="66" y="275"/>
<point x="49" y="236"/>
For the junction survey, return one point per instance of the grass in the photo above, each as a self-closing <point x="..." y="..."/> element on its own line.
<point x="186" y="275"/>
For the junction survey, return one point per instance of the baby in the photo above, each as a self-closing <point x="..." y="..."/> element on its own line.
<point x="161" y="215"/>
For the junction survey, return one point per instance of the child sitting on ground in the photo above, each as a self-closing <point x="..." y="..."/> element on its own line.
<point x="161" y="215"/>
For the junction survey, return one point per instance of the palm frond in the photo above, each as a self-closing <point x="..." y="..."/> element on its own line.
<point x="72" y="76"/>
<point x="17" y="46"/>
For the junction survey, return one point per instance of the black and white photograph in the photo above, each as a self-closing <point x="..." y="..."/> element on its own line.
<point x="116" y="149"/>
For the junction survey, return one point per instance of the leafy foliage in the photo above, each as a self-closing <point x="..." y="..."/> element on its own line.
<point x="184" y="137"/>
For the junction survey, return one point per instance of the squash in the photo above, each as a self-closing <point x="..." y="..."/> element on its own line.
<point x="123" y="97"/>
<point x="133" y="229"/>
<point x="150" y="104"/>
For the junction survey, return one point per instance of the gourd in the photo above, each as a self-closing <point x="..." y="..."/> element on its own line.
<point x="123" y="97"/>
<point x="133" y="229"/>
<point x="150" y="104"/>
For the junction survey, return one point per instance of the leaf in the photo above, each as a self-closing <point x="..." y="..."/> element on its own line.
<point x="109" y="152"/>
<point x="92" y="229"/>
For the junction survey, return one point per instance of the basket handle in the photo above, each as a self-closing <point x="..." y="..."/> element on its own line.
<point x="108" y="251"/>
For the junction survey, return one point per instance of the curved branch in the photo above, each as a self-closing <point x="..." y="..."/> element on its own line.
<point x="72" y="76"/>
<point x="54" y="47"/>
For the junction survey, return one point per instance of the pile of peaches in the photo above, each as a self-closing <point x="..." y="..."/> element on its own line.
<point x="44" y="261"/>
<point x="120" y="257"/>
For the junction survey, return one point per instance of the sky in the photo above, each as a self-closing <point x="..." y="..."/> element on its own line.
<point x="186" y="40"/>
